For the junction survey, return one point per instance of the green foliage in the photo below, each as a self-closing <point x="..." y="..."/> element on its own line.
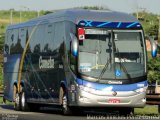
<point x="1" y="42"/>
<point x="149" y="22"/>
<point x="47" y="12"/>
<point x="1" y="77"/>
<point x="93" y="8"/>
<point x="154" y="70"/>
<point x="5" y="14"/>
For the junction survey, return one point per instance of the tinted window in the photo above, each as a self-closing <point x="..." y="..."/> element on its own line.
<point x="37" y="38"/>
<point x="16" y="46"/>
<point x="48" y="40"/>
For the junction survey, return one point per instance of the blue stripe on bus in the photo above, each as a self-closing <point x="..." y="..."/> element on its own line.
<point x="118" y="26"/>
<point x="132" y="24"/>
<point x="88" y="23"/>
<point x="103" y="24"/>
<point x="119" y="87"/>
<point x="108" y="24"/>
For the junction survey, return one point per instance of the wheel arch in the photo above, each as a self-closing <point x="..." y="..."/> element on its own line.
<point x="63" y="85"/>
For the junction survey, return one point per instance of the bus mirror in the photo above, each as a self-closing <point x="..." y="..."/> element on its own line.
<point x="153" y="47"/>
<point x="74" y="45"/>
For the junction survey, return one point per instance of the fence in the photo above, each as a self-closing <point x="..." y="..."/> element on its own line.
<point x="1" y="93"/>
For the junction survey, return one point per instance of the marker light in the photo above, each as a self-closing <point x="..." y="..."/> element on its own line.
<point x="81" y="33"/>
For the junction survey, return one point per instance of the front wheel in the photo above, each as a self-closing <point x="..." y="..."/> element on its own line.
<point x="65" y="108"/>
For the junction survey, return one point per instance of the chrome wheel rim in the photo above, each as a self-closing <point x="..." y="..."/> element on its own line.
<point x="65" y="103"/>
<point x="17" y="99"/>
<point x="23" y="100"/>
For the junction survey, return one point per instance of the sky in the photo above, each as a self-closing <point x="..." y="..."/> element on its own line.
<point x="127" y="6"/>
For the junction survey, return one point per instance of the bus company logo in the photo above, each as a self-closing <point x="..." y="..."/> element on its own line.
<point x="114" y="93"/>
<point x="114" y="82"/>
<point x="46" y="62"/>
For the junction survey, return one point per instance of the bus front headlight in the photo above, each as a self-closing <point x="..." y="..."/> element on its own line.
<point x="140" y="90"/>
<point x="87" y="89"/>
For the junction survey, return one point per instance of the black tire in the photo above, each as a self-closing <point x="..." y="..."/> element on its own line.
<point x="126" y="111"/>
<point x="23" y="102"/>
<point x="16" y="98"/>
<point x="63" y="98"/>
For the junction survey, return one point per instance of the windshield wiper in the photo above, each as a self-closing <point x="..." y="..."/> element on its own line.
<point x="103" y="70"/>
<point x="123" y="67"/>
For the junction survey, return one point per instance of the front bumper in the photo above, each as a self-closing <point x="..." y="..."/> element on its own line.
<point x="126" y="99"/>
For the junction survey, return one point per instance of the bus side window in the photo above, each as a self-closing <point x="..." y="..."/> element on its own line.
<point x="6" y="45"/>
<point x="6" y="49"/>
<point x="37" y="39"/>
<point x="48" y="40"/>
<point x="22" y="38"/>
<point x="16" y="46"/>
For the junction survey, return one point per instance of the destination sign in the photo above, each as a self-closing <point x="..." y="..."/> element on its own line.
<point x="96" y="31"/>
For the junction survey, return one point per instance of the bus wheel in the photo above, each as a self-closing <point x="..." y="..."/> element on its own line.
<point x="65" y="108"/>
<point x="16" y="95"/>
<point x="24" y="104"/>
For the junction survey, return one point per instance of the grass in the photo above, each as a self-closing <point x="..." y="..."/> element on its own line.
<point x="1" y="100"/>
<point x="147" y="110"/>
<point x="7" y="102"/>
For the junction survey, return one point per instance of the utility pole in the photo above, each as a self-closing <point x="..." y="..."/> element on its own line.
<point x="38" y="12"/>
<point x="11" y="16"/>
<point x="137" y="12"/>
<point x="21" y="11"/>
<point x="20" y="16"/>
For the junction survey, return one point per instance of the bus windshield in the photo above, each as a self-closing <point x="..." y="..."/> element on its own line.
<point x="116" y="53"/>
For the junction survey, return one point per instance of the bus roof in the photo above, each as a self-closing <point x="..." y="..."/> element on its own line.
<point x="76" y="15"/>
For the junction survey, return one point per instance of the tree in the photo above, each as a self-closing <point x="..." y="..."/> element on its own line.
<point x="1" y="42"/>
<point x="154" y="70"/>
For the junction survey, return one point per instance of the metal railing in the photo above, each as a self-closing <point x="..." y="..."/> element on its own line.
<point x="1" y="93"/>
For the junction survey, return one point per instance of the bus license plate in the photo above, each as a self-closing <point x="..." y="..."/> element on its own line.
<point x="114" y="101"/>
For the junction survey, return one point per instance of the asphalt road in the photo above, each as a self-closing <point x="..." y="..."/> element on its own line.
<point x="7" y="112"/>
